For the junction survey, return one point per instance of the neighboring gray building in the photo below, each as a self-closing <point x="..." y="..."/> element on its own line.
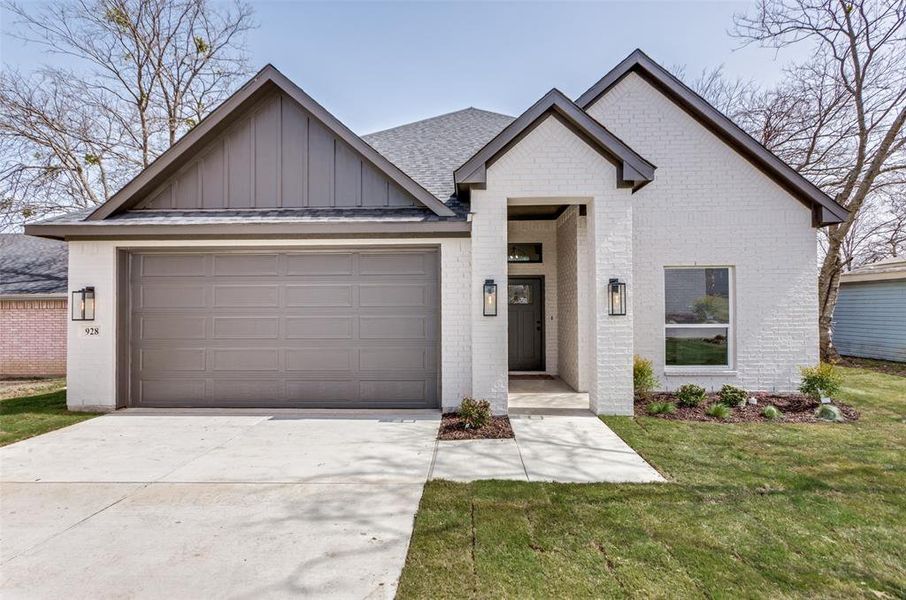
<point x="870" y="318"/>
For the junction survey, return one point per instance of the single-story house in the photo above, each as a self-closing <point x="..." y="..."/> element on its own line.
<point x="33" y="318"/>
<point x="274" y="258"/>
<point x="870" y="316"/>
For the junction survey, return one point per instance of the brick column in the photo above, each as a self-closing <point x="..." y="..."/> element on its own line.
<point x="489" y="334"/>
<point x="611" y="346"/>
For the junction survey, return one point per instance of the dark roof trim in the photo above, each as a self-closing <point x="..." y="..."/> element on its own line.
<point x="269" y="77"/>
<point x="239" y="230"/>
<point x="632" y="170"/>
<point x="825" y="211"/>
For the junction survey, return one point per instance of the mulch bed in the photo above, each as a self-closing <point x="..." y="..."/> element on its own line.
<point x="796" y="408"/>
<point x="452" y="428"/>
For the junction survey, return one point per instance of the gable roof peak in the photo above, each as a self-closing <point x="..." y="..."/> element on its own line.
<point x="825" y="211"/>
<point x="632" y="169"/>
<point x="256" y="87"/>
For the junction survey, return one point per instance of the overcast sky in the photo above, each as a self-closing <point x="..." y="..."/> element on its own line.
<point x="380" y="64"/>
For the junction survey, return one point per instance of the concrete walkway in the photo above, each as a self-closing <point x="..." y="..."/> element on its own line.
<point x="578" y="448"/>
<point x="201" y="505"/>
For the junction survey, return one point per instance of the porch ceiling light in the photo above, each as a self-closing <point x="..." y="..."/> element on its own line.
<point x="616" y="297"/>
<point x="83" y="304"/>
<point x="490" y="298"/>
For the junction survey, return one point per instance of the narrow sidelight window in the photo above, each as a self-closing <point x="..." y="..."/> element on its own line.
<point x="698" y="324"/>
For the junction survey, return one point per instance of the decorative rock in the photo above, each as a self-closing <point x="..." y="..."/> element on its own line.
<point x="752" y="400"/>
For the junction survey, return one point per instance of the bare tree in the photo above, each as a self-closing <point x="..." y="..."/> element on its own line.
<point x="143" y="72"/>
<point x="839" y="118"/>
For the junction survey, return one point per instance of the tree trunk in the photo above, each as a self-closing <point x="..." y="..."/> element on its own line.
<point x="828" y="290"/>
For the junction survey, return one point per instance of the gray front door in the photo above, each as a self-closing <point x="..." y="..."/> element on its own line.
<point x="525" y="310"/>
<point x="335" y="328"/>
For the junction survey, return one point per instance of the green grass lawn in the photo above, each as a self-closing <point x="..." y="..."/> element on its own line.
<point x="22" y="417"/>
<point x="754" y="511"/>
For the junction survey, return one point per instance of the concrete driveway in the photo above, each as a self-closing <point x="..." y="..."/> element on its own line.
<point x="190" y="505"/>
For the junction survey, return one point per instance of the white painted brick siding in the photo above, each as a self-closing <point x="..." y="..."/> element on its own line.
<point x="91" y="365"/>
<point x="544" y="232"/>
<point x="568" y="296"/>
<point x="710" y="206"/>
<point x="552" y="164"/>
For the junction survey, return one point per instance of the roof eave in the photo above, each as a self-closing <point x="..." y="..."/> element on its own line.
<point x="240" y="230"/>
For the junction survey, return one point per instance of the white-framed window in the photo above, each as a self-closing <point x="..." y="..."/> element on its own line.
<point x="698" y="317"/>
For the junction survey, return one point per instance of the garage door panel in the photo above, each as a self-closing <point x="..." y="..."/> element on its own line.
<point x="171" y="358"/>
<point x="319" y="359"/>
<point x="245" y="392"/>
<point x="314" y="295"/>
<point x="393" y="359"/>
<point x="259" y="328"/>
<point x="320" y="263"/>
<point x="329" y="328"/>
<point x="396" y="295"/>
<point x="320" y="328"/>
<point x="172" y="328"/>
<point x="320" y="392"/>
<point x="396" y="327"/>
<point x="170" y="296"/>
<point x="397" y="263"/>
<point x="172" y="265"/>
<point x="172" y="392"/>
<point x="258" y="265"/>
<point x="244" y="359"/>
<point x="393" y="391"/>
<point x="246" y="296"/>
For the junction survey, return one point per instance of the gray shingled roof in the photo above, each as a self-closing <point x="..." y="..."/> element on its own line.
<point x="30" y="265"/>
<point x="429" y="151"/>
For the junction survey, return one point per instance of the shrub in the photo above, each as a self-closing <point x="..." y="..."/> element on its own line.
<point x="718" y="411"/>
<point x="475" y="414"/>
<point x="661" y="408"/>
<point x="731" y="396"/>
<point x="643" y="379"/>
<point x="691" y="395"/>
<point x="829" y="412"/>
<point x="771" y="412"/>
<point x="823" y="380"/>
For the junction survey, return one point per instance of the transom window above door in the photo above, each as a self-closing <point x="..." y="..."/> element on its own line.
<point x="697" y="316"/>
<point x="524" y="253"/>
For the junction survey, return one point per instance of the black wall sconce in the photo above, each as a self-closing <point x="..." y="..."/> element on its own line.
<point x="616" y="297"/>
<point x="490" y="298"/>
<point x="83" y="304"/>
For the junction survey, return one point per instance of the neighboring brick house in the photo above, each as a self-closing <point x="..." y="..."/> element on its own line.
<point x="32" y="307"/>
<point x="273" y="258"/>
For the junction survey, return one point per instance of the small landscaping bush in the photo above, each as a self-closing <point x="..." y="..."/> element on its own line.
<point x="661" y="408"/>
<point x="691" y="395"/>
<point x="732" y="396"/>
<point x="643" y="378"/>
<point x="771" y="412"/>
<point x="829" y="412"/>
<point x="475" y="414"/>
<point x="823" y="380"/>
<point x="718" y="411"/>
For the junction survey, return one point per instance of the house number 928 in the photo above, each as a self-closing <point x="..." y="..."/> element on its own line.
<point x="90" y="331"/>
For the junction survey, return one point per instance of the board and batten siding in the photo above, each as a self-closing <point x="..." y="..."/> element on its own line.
<point x="870" y="320"/>
<point x="277" y="155"/>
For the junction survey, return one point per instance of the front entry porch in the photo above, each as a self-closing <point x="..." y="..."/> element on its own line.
<point x="544" y="394"/>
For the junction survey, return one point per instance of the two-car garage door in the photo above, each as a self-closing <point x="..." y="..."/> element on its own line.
<point x="321" y="328"/>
